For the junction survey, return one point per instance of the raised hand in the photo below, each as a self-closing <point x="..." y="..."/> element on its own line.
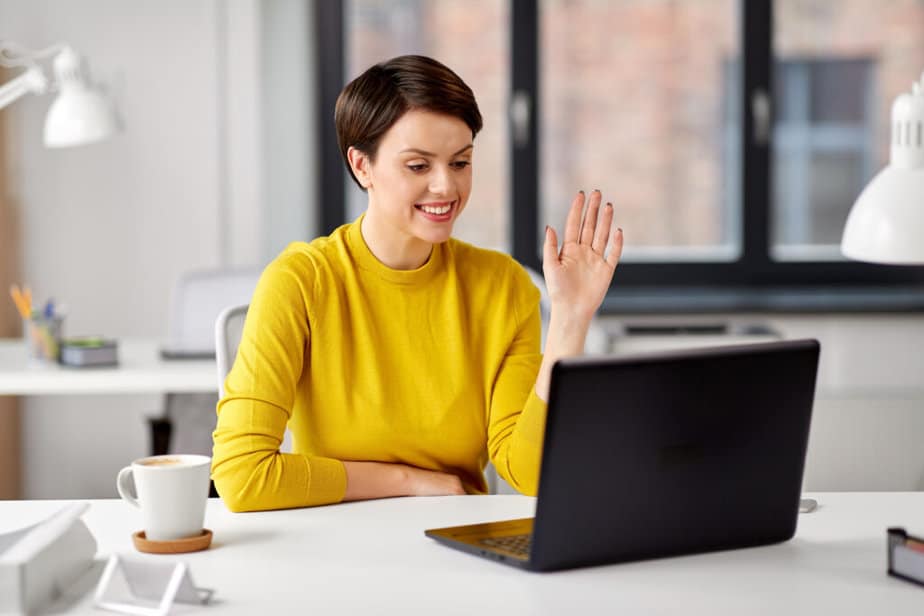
<point x="578" y="275"/>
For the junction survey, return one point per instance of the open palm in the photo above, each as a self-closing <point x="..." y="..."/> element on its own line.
<point x="579" y="274"/>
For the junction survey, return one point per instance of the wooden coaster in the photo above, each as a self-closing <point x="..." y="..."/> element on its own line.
<point x="173" y="546"/>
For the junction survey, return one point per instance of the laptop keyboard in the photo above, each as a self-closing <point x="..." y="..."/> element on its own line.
<point x="515" y="544"/>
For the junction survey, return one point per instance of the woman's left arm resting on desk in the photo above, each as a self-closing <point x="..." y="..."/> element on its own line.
<point x="249" y="471"/>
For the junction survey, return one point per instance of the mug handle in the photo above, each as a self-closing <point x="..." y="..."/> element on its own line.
<point x="125" y="484"/>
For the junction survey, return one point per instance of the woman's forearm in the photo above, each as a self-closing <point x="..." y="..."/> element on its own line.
<point x="566" y="336"/>
<point x="367" y="480"/>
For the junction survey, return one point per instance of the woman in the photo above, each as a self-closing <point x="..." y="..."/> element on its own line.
<point x="401" y="359"/>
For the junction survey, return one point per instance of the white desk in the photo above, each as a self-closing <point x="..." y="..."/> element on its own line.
<point x="140" y="370"/>
<point x="372" y="558"/>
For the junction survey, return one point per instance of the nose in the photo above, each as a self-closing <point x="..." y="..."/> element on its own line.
<point x="441" y="180"/>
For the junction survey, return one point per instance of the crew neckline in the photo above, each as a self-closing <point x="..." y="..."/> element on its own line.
<point x="369" y="262"/>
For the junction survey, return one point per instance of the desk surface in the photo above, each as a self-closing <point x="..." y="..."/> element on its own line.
<point x="140" y="370"/>
<point x="372" y="558"/>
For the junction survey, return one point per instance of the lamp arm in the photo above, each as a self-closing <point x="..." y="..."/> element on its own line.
<point x="33" y="80"/>
<point x="14" y="54"/>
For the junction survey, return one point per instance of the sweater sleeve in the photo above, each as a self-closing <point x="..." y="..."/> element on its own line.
<point x="248" y="469"/>
<point x="516" y="423"/>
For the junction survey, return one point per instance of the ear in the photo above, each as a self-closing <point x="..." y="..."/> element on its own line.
<point x="361" y="166"/>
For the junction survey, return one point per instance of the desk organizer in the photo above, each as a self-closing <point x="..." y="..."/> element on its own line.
<point x="81" y="352"/>
<point x="905" y="556"/>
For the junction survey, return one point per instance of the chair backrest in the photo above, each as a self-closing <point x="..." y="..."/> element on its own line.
<point x="196" y="300"/>
<point x="545" y="306"/>
<point x="228" y="329"/>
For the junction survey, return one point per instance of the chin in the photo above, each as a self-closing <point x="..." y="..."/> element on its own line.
<point x="436" y="236"/>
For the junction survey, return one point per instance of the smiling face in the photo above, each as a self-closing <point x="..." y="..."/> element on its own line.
<point x="418" y="184"/>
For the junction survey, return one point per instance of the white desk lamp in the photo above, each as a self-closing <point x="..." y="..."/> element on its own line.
<point x="886" y="224"/>
<point x="79" y="115"/>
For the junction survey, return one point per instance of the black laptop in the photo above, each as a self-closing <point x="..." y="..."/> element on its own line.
<point x="663" y="454"/>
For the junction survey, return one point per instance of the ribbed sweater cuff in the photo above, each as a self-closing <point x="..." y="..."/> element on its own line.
<point x="531" y="424"/>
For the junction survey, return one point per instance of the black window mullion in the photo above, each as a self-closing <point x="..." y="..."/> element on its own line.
<point x="756" y="50"/>
<point x="329" y="58"/>
<point x="524" y="154"/>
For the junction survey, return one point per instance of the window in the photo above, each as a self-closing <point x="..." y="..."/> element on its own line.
<point x="823" y="153"/>
<point x="631" y="103"/>
<point x="376" y="30"/>
<point x="732" y="136"/>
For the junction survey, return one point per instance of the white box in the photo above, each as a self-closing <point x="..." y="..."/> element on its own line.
<point x="38" y="562"/>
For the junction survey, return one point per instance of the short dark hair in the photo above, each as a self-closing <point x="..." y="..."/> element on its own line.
<point x="370" y="104"/>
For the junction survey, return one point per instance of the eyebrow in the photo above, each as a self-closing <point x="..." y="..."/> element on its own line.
<point x="426" y="153"/>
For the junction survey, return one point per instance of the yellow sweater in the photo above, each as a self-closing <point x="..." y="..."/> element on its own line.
<point x="433" y="367"/>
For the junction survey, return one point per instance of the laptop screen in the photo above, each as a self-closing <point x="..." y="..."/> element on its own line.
<point x="669" y="453"/>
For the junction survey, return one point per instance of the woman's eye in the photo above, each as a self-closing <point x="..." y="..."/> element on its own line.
<point x="461" y="164"/>
<point x="417" y="167"/>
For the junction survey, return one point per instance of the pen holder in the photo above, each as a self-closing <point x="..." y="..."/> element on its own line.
<point x="43" y="337"/>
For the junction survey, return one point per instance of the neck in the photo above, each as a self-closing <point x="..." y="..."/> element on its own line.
<point x="392" y="247"/>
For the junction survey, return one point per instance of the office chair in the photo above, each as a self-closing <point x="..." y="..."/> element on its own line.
<point x="188" y="419"/>
<point x="229" y="326"/>
<point x="228" y="329"/>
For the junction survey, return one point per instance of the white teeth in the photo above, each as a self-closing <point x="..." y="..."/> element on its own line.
<point x="436" y="210"/>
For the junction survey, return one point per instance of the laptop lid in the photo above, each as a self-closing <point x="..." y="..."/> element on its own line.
<point x="673" y="453"/>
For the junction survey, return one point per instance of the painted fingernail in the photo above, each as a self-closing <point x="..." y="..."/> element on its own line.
<point x="608" y="204"/>
<point x="619" y="229"/>
<point x="596" y="190"/>
<point x="547" y="227"/>
<point x="581" y="191"/>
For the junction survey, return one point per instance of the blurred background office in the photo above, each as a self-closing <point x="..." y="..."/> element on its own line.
<point x="732" y="136"/>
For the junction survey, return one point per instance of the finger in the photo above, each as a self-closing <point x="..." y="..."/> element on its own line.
<point x="573" y="224"/>
<point x="615" y="247"/>
<point x="603" y="229"/>
<point x="550" y="247"/>
<point x="590" y="217"/>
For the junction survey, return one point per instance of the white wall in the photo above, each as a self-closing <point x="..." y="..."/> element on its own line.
<point x="868" y="419"/>
<point x="289" y="111"/>
<point x="108" y="228"/>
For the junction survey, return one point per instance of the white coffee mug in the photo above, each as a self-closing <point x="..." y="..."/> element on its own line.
<point x="171" y="492"/>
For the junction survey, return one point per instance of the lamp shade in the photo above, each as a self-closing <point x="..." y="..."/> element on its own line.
<point x="886" y="224"/>
<point x="79" y="115"/>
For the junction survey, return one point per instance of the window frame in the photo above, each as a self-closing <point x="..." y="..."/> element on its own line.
<point x="800" y="137"/>
<point x="753" y="282"/>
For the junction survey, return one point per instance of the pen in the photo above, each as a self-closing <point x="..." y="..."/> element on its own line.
<point x="27" y="294"/>
<point x="23" y="305"/>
